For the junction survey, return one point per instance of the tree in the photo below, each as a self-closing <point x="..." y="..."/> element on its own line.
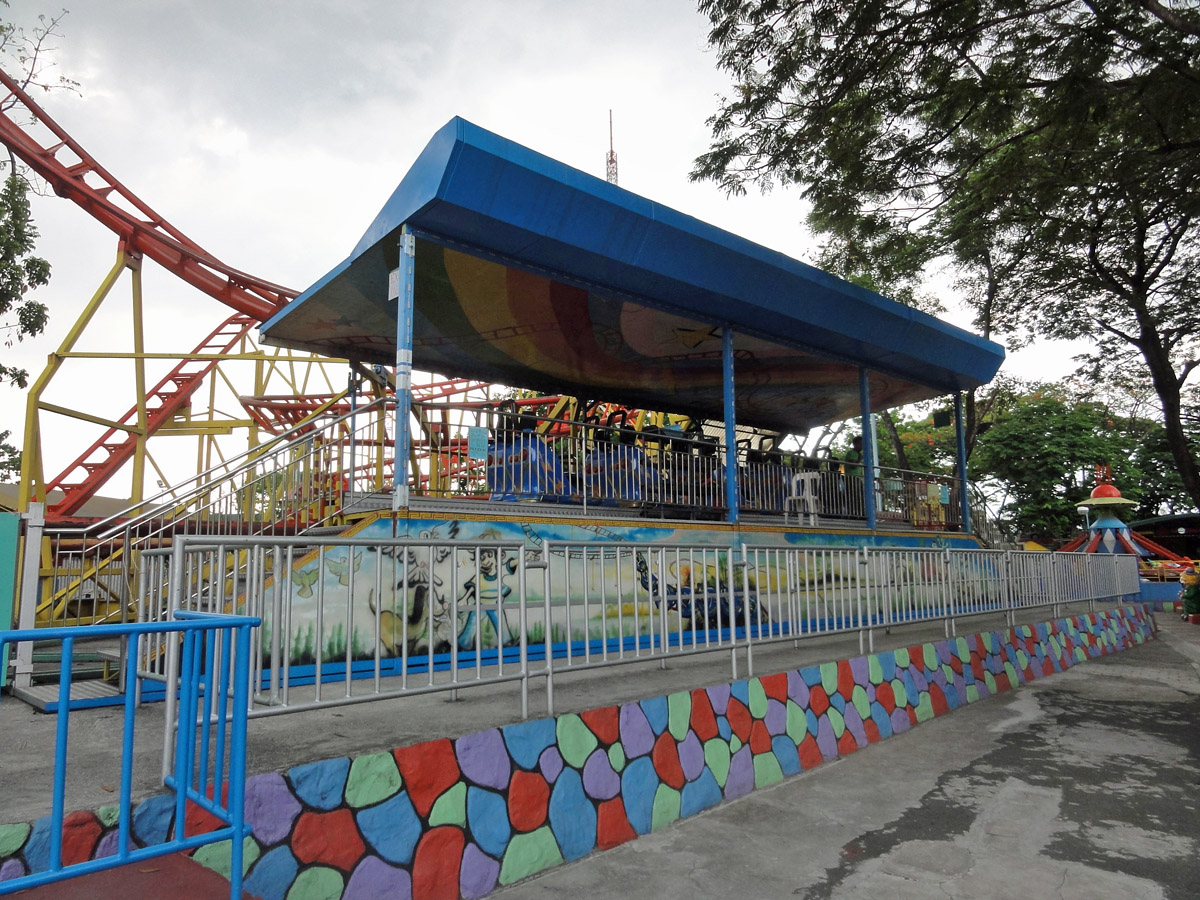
<point x="24" y="56"/>
<point x="1050" y="149"/>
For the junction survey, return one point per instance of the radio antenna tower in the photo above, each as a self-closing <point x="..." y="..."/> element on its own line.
<point x="611" y="168"/>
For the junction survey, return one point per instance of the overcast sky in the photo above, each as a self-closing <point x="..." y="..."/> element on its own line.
<point x="271" y="131"/>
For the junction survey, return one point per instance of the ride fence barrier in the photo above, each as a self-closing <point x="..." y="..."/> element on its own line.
<point x="350" y="620"/>
<point x="205" y="742"/>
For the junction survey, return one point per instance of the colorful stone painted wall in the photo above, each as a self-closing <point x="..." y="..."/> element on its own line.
<point x="450" y="818"/>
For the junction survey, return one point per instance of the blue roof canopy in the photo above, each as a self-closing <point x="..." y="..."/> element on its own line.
<point x="538" y="275"/>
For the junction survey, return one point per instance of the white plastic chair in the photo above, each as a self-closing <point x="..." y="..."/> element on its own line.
<point x="804" y="497"/>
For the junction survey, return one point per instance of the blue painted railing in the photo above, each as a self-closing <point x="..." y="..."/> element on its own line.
<point x="210" y="738"/>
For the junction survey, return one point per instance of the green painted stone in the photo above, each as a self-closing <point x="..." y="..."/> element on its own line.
<point x="575" y="740"/>
<point x="948" y="673"/>
<point x="837" y="721"/>
<point x="108" y="815"/>
<point x="902" y="660"/>
<point x="990" y="682"/>
<point x="829" y="678"/>
<point x="758" y="699"/>
<point x="616" y="757"/>
<point x="964" y="650"/>
<point x="767" y="770"/>
<point x="1080" y="654"/>
<point x="450" y="808"/>
<point x="12" y="837"/>
<point x="874" y="669"/>
<point x="931" y="658"/>
<point x="528" y="854"/>
<point x="372" y="779"/>
<point x="317" y="883"/>
<point x="900" y="692"/>
<point x="1012" y="674"/>
<point x="797" y="723"/>
<point x="1022" y="658"/>
<point x="1056" y="646"/>
<point x="716" y="757"/>
<point x="972" y="693"/>
<point x="219" y="857"/>
<point x="735" y="743"/>
<point x="666" y="807"/>
<point x="924" y="707"/>
<point x="989" y="642"/>
<point x="861" y="703"/>
<point x="679" y="714"/>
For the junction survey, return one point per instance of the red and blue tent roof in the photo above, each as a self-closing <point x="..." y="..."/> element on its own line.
<point x="537" y="275"/>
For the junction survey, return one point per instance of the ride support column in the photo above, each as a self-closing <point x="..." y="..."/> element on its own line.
<point x="731" y="498"/>
<point x="404" y="358"/>
<point x="868" y="442"/>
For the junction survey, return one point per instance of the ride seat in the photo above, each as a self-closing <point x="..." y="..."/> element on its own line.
<point x="804" y="497"/>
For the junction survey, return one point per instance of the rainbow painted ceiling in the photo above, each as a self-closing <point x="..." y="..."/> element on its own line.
<point x="537" y="275"/>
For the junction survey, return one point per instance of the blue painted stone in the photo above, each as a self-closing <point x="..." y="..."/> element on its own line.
<point x="373" y="878"/>
<point x="637" y="737"/>
<point x="487" y="814"/>
<point x="551" y="763"/>
<point x="37" y="848"/>
<point x="811" y="675"/>
<point x="785" y="752"/>
<point x="882" y="720"/>
<point x="656" y="713"/>
<point x="887" y="665"/>
<point x="910" y="688"/>
<point x="740" y="780"/>
<point x="572" y="816"/>
<point x="723" y="728"/>
<point x="810" y="721"/>
<point x="321" y="784"/>
<point x="272" y="874"/>
<point x="740" y="690"/>
<point x="700" y="794"/>
<point x="391" y="828"/>
<point x="639" y="781"/>
<point x="838" y="702"/>
<point x="152" y="819"/>
<point x="527" y="740"/>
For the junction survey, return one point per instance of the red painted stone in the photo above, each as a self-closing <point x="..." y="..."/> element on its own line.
<point x="912" y="715"/>
<point x="739" y="719"/>
<point x="846" y="744"/>
<point x="665" y="757"/>
<point x="916" y="657"/>
<point x="818" y="700"/>
<point x="810" y="753"/>
<point x="955" y="664"/>
<point x="703" y="720"/>
<point x="1002" y="682"/>
<point x="845" y="680"/>
<point x="198" y="820"/>
<point x="760" y="738"/>
<point x="528" y="795"/>
<point x="604" y="722"/>
<point x="328" y="839"/>
<point x="612" y="824"/>
<point x="977" y="667"/>
<point x="428" y="770"/>
<point x="885" y="696"/>
<point x="436" y="864"/>
<point x="937" y="699"/>
<point x="1047" y="666"/>
<point x="81" y="832"/>
<point x="872" y="730"/>
<point x="775" y="686"/>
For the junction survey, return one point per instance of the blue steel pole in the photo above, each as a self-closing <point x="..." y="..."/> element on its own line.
<point x="404" y="358"/>
<point x="960" y="452"/>
<point x="731" y="499"/>
<point x="868" y="442"/>
<point x="60" y="753"/>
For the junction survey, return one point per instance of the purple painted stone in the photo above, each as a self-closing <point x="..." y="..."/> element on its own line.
<point x="854" y="725"/>
<point x="861" y="670"/>
<point x="776" y="718"/>
<point x="551" y="764"/>
<point x="691" y="756"/>
<point x="12" y="868"/>
<point x="373" y="878"/>
<point x="900" y="721"/>
<point x="870" y="693"/>
<point x="637" y="737"/>
<point x="740" y="780"/>
<point x="479" y="873"/>
<point x="943" y="651"/>
<point x="600" y="782"/>
<point x="972" y="642"/>
<point x="939" y="678"/>
<point x="718" y="695"/>
<point x="797" y="689"/>
<point x="270" y="807"/>
<point x="918" y="678"/>
<point x="826" y="742"/>
<point x="109" y="843"/>
<point x="483" y="758"/>
<point x="960" y="685"/>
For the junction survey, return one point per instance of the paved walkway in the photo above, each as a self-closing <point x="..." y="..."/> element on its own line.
<point x="1081" y="786"/>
